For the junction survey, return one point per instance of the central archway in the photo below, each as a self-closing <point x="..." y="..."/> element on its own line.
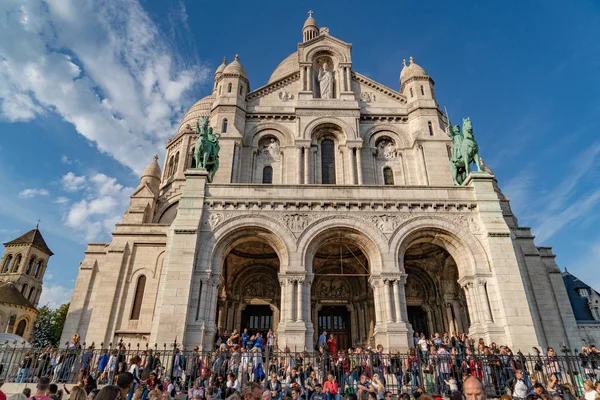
<point x="342" y="299"/>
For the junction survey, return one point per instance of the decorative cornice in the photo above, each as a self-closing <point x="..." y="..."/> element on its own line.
<point x="383" y="118"/>
<point x="498" y="234"/>
<point x="343" y="205"/>
<point x="270" y="117"/>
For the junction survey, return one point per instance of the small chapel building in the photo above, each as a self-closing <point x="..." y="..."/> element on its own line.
<point x="333" y="208"/>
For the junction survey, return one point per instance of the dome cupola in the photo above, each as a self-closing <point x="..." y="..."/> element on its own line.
<point x="152" y="174"/>
<point x="235" y="68"/>
<point x="220" y="69"/>
<point x="310" y="30"/>
<point x="411" y="70"/>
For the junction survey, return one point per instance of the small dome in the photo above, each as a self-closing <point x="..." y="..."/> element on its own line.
<point x="152" y="170"/>
<point x="287" y="66"/>
<point x="411" y="70"/>
<point x="221" y="67"/>
<point x="310" y="21"/>
<point x="235" y="68"/>
<point x="200" y="109"/>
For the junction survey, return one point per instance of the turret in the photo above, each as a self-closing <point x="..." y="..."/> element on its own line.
<point x="415" y="84"/>
<point x="310" y="30"/>
<point x="143" y="200"/>
<point x="218" y="74"/>
<point x="232" y="88"/>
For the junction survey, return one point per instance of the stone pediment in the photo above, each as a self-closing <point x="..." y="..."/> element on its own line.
<point x="143" y="191"/>
<point x="371" y="92"/>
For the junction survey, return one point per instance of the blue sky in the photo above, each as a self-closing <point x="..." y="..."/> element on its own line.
<point x="90" y="91"/>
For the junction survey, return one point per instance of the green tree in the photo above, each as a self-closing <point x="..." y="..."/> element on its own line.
<point x="49" y="325"/>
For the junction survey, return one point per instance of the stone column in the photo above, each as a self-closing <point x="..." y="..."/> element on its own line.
<point x="484" y="301"/>
<point x="430" y="325"/>
<point x="299" y="165"/>
<point x="471" y="303"/>
<point x="352" y="165"/>
<point x="300" y="301"/>
<point x="306" y="164"/>
<point x="309" y="78"/>
<point x="450" y="317"/>
<point x="388" y="302"/>
<point x="359" y="164"/>
<point x="460" y="322"/>
<point x="377" y="294"/>
<point x="284" y="296"/>
<point x="396" y="293"/>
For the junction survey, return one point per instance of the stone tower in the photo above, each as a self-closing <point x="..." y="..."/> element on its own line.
<point x="24" y="264"/>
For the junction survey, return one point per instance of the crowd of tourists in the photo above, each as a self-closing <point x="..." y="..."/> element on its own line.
<point x="437" y="365"/>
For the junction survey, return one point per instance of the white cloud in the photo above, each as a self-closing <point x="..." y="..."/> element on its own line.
<point x="103" y="66"/>
<point x="101" y="207"/>
<point x="29" y="193"/>
<point x="65" y="160"/>
<point x="61" y="200"/>
<point x="55" y="295"/>
<point x="72" y="183"/>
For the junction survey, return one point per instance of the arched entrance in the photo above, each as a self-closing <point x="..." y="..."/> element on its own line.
<point x="249" y="294"/>
<point x="341" y="296"/>
<point x="435" y="301"/>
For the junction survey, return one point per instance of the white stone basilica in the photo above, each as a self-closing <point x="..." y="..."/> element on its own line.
<point x="333" y="208"/>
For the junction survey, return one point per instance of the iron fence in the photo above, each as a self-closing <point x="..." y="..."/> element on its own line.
<point x="399" y="373"/>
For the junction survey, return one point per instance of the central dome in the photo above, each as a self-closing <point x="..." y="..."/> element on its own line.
<point x="287" y="66"/>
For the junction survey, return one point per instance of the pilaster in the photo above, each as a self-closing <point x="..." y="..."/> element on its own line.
<point x="171" y="317"/>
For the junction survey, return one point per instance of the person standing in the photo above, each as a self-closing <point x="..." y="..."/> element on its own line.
<point x="322" y="339"/>
<point x="24" y="368"/>
<point x="41" y="389"/>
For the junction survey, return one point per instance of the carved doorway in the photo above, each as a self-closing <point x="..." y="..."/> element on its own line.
<point x="336" y="320"/>
<point x="257" y="319"/>
<point x="418" y="319"/>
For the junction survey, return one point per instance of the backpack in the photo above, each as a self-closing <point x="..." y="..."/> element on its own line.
<point x="173" y="392"/>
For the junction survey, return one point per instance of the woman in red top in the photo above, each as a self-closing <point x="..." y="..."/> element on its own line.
<point x="331" y="388"/>
<point x="332" y="345"/>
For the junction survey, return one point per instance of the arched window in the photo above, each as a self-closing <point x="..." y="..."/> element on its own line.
<point x="328" y="161"/>
<point x="30" y="265"/>
<point x="21" y="328"/>
<point x="224" y="130"/>
<point x="430" y="127"/>
<point x="229" y="87"/>
<point x="139" y="296"/>
<point x="24" y="289"/>
<point x="241" y="89"/>
<point x="267" y="174"/>
<point x="176" y="163"/>
<point x="17" y="263"/>
<point x="38" y="268"/>
<point x="7" y="263"/>
<point x="31" y="292"/>
<point x="411" y="92"/>
<point x="170" y="168"/>
<point x="422" y="90"/>
<point x="388" y="176"/>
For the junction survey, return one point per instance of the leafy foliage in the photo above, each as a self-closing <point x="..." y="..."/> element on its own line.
<point x="49" y="325"/>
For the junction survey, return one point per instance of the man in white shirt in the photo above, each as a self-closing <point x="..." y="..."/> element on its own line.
<point x="519" y="391"/>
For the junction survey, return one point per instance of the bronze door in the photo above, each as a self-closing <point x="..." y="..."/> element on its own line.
<point x="336" y="320"/>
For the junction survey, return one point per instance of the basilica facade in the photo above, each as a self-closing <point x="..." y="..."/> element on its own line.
<point x="333" y="208"/>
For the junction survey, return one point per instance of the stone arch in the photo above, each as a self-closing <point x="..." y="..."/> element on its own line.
<point x="253" y="269"/>
<point x="226" y="235"/>
<point x="401" y="138"/>
<point x="349" y="133"/>
<point x="282" y="133"/>
<point x="140" y="271"/>
<point x="325" y="48"/>
<point x="22" y="323"/>
<point x="466" y="250"/>
<point x="371" y="241"/>
<point x="167" y="212"/>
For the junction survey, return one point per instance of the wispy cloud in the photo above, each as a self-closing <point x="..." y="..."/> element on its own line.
<point x="569" y="202"/>
<point x="103" y="203"/>
<point x="61" y="200"/>
<point x="30" y="193"/>
<point x="102" y="66"/>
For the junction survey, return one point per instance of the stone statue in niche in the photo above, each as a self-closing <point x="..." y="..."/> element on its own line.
<point x="270" y="152"/>
<point x="325" y="81"/>
<point x="386" y="150"/>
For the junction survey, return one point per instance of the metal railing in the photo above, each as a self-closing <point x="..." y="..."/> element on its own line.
<point x="398" y="373"/>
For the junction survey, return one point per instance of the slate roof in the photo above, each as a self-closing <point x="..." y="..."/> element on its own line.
<point x="10" y="294"/>
<point x="579" y="304"/>
<point x="33" y="237"/>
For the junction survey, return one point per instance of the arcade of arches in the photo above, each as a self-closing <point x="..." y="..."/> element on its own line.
<point x="337" y="296"/>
